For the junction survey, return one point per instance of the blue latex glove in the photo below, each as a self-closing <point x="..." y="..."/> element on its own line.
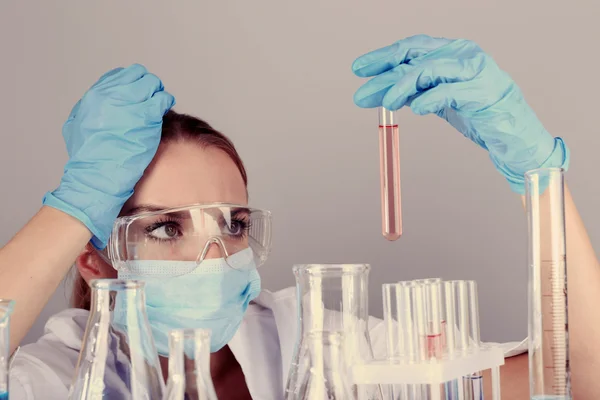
<point x="111" y="135"/>
<point x="457" y="81"/>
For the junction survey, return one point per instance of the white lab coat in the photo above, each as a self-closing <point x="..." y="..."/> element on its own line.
<point x="263" y="346"/>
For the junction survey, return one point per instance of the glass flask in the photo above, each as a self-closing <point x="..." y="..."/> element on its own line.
<point x="189" y="365"/>
<point x="6" y="309"/>
<point x="333" y="298"/>
<point x="118" y="359"/>
<point x="323" y="373"/>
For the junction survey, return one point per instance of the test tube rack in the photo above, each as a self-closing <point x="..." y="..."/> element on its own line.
<point x="422" y="349"/>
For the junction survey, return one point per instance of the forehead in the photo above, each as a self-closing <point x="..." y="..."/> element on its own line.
<point x="185" y="173"/>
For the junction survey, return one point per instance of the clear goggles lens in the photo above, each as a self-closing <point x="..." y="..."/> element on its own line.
<point x="192" y="233"/>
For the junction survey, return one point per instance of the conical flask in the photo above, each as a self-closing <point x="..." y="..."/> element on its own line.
<point x="118" y="359"/>
<point x="189" y="365"/>
<point x="333" y="298"/>
<point x="323" y="369"/>
<point x="6" y="309"/>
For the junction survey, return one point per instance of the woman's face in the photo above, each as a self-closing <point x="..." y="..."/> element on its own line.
<point x="180" y="174"/>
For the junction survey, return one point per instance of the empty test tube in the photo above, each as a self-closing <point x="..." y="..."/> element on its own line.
<point x="474" y="382"/>
<point x="392" y="310"/>
<point x="398" y="321"/>
<point x="466" y="338"/>
<point x="404" y="317"/>
<point x="453" y="390"/>
<point x="389" y="154"/>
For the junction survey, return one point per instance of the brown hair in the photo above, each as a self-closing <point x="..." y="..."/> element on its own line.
<point x="176" y="127"/>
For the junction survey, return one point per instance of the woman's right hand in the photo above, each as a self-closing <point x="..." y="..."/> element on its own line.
<point x="111" y="135"/>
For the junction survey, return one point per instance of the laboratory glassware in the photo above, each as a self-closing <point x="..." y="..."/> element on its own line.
<point x="473" y="382"/>
<point x="432" y="334"/>
<point x="189" y="366"/>
<point x="549" y="371"/>
<point x="333" y="298"/>
<point x="323" y="372"/>
<point x="462" y="313"/>
<point x="118" y="359"/>
<point x="186" y="234"/>
<point x="6" y="309"/>
<point x="389" y="170"/>
<point x="401" y="338"/>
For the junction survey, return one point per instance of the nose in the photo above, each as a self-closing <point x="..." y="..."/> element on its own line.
<point x="214" y="251"/>
<point x="214" y="248"/>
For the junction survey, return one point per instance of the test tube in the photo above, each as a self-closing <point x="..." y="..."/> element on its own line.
<point x="474" y="382"/>
<point x="392" y="309"/>
<point x="411" y="335"/>
<point x="389" y="155"/>
<point x="549" y="370"/>
<point x="453" y="390"/>
<point x="434" y="328"/>
<point x="396" y="312"/>
<point x="433" y="317"/>
<point x="425" y="391"/>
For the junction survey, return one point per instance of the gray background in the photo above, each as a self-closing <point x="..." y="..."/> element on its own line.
<point x="275" y="76"/>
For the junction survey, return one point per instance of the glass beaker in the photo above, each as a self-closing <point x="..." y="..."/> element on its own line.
<point x="189" y="365"/>
<point x="324" y="372"/>
<point x="118" y="359"/>
<point x="549" y="371"/>
<point x="333" y="298"/>
<point x="6" y="309"/>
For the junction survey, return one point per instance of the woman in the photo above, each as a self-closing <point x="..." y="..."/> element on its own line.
<point x="113" y="137"/>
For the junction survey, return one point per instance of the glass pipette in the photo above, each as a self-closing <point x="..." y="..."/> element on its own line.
<point x="389" y="153"/>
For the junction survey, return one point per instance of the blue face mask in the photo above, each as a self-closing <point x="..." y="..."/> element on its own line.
<point x="213" y="296"/>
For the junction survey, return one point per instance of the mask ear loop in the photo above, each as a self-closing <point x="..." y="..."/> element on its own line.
<point x="213" y="240"/>
<point x="104" y="257"/>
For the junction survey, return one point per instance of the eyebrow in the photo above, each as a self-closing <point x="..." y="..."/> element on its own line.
<point x="240" y="210"/>
<point x="142" y="208"/>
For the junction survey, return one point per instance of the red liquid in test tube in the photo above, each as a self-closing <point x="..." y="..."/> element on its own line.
<point x="389" y="153"/>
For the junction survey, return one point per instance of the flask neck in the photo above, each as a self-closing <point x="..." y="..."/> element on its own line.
<point x="332" y="299"/>
<point x="189" y="362"/>
<point x="117" y="297"/>
<point x="118" y="357"/>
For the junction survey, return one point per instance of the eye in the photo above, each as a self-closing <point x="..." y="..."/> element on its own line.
<point x="237" y="228"/>
<point x="164" y="232"/>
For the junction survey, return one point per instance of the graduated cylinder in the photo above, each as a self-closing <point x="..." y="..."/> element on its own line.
<point x="549" y="371"/>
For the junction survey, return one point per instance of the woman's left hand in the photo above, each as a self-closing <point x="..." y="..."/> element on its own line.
<point x="457" y="81"/>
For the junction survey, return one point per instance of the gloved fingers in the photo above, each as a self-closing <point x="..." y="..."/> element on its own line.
<point x="158" y="105"/>
<point x="401" y="52"/>
<point x="121" y="76"/>
<point x="393" y="89"/>
<point x="138" y="91"/>
<point x="371" y="94"/>
<point x="425" y="77"/>
<point x="459" y="96"/>
<point x="447" y="101"/>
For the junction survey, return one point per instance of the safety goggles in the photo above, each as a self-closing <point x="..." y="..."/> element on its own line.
<point x="191" y="233"/>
